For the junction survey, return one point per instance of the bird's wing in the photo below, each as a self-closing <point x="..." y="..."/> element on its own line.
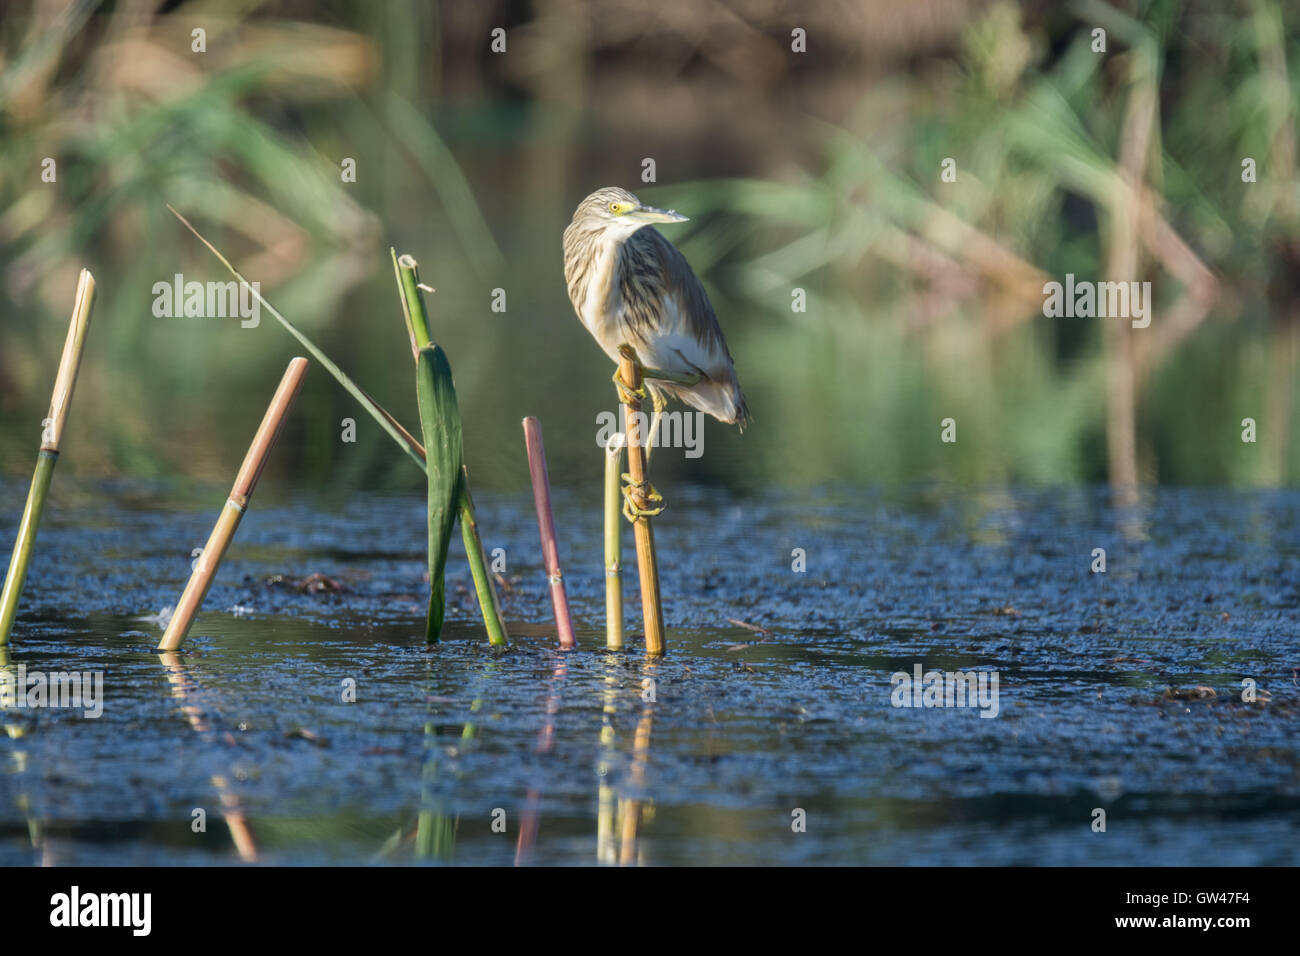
<point x="667" y="312"/>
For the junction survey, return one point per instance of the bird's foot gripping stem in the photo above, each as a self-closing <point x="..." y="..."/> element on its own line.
<point x="640" y="491"/>
<point x="627" y="395"/>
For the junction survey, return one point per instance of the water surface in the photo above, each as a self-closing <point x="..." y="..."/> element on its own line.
<point x="1097" y="707"/>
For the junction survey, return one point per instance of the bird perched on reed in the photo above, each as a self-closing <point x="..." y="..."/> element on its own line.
<point x="630" y="286"/>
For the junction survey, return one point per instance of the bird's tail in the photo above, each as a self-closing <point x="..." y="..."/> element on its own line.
<point x="723" y="400"/>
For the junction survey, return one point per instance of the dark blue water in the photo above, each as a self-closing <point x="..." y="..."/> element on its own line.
<point x="749" y="733"/>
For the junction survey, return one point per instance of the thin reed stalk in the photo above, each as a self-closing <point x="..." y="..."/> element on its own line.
<point x="488" y="599"/>
<point x="546" y="528"/>
<point x="613" y="543"/>
<point x="205" y="568"/>
<point x="408" y="283"/>
<point x="647" y="563"/>
<point x="381" y="415"/>
<point x="48" y="455"/>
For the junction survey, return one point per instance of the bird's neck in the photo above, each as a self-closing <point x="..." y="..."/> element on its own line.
<point x="590" y="257"/>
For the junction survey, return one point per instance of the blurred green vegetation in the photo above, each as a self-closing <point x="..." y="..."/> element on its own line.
<point x="818" y="171"/>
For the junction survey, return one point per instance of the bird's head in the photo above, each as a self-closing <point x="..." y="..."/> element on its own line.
<point x="618" y="213"/>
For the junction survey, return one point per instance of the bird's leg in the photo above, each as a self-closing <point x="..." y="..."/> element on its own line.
<point x="660" y="402"/>
<point x="652" y="442"/>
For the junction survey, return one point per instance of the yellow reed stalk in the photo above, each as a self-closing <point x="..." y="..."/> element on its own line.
<point x="647" y="564"/>
<point x="48" y="456"/>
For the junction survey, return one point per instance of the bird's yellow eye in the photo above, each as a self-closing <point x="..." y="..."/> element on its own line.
<point x="614" y="207"/>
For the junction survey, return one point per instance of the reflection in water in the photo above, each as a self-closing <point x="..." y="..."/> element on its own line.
<point x="435" y="831"/>
<point x="184" y="689"/>
<point x="632" y="806"/>
<point x="606" y="853"/>
<point x="545" y="744"/>
<point x="618" y="821"/>
<point x="35" y="828"/>
<point x="1131" y="516"/>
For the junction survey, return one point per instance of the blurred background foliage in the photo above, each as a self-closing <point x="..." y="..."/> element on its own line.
<point x="817" y="170"/>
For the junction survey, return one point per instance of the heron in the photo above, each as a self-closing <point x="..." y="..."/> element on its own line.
<point x="631" y="287"/>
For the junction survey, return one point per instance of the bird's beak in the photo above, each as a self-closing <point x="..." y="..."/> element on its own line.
<point x="651" y="214"/>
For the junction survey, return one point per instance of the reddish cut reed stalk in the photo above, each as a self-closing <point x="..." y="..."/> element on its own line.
<point x="647" y="564"/>
<point x="546" y="527"/>
<point x="205" y="568"/>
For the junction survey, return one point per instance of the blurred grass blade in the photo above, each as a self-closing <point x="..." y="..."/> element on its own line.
<point x="440" y="419"/>
<point x="440" y="166"/>
<point x="377" y="411"/>
<point x="37" y="59"/>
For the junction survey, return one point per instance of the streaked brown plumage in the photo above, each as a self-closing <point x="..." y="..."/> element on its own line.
<point x="630" y="286"/>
